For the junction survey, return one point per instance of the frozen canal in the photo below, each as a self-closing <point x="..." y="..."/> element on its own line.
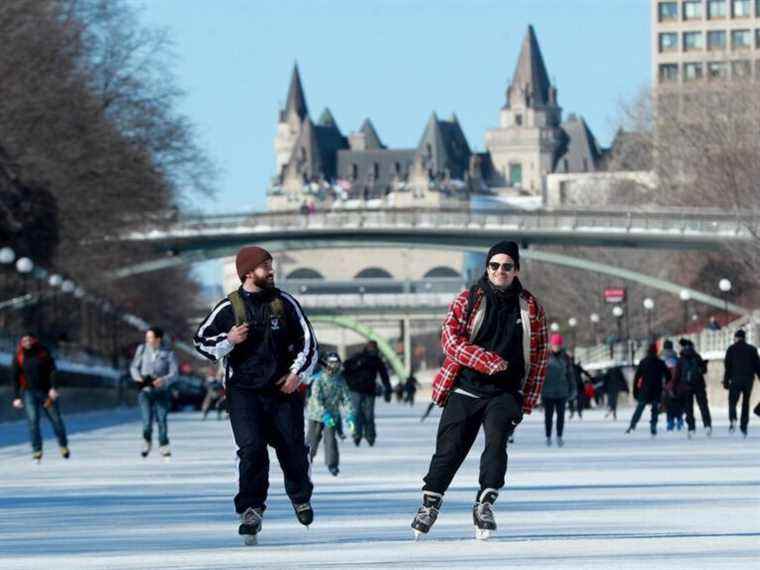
<point x="606" y="500"/>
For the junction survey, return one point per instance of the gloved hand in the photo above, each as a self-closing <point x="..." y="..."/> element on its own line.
<point x="328" y="420"/>
<point x="387" y="395"/>
<point x="351" y="424"/>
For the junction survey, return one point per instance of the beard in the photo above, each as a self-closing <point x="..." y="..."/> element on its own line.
<point x="264" y="282"/>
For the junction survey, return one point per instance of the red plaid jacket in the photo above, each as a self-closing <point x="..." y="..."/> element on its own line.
<point x="459" y="350"/>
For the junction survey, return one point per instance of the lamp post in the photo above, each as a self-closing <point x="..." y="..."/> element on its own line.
<point x="685" y="297"/>
<point x="594" y="317"/>
<point x="617" y="312"/>
<point x="554" y="327"/>
<point x="572" y="323"/>
<point x="7" y="256"/>
<point x="725" y="286"/>
<point x="24" y="266"/>
<point x="649" y="307"/>
<point x="55" y="281"/>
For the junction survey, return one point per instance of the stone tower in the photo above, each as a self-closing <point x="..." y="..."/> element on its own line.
<point x="524" y="147"/>
<point x="290" y="121"/>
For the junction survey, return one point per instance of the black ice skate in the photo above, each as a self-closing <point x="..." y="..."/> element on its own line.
<point x="483" y="515"/>
<point x="304" y="513"/>
<point x="250" y="524"/>
<point x="427" y="513"/>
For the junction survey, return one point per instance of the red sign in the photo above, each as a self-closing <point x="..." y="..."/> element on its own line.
<point x="614" y="295"/>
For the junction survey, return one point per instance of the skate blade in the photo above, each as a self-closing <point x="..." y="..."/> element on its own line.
<point x="482" y="533"/>
<point x="251" y="540"/>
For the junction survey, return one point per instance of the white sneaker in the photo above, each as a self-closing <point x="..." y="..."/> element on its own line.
<point x="165" y="451"/>
<point x="146" y="448"/>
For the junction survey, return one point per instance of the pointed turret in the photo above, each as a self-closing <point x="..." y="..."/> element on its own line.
<point x="371" y="138"/>
<point x="530" y="82"/>
<point x="326" y="119"/>
<point x="443" y="147"/>
<point x="296" y="102"/>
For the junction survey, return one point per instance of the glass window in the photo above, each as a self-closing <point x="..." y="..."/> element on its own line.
<point x="515" y="174"/>
<point x="716" y="39"/>
<point x="668" y="72"/>
<point x="741" y="39"/>
<point x="693" y="41"/>
<point x="741" y="68"/>
<point x="692" y="10"/>
<point x="669" y="41"/>
<point x="717" y="70"/>
<point x="668" y="11"/>
<point x="716" y="9"/>
<point x="742" y="9"/>
<point x="692" y="71"/>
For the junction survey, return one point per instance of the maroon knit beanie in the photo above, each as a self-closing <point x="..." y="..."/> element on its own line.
<point x="249" y="258"/>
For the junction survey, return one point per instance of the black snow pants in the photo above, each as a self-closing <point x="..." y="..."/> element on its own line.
<point x="268" y="419"/>
<point x="734" y="393"/>
<point x="700" y="395"/>
<point x="459" y="426"/>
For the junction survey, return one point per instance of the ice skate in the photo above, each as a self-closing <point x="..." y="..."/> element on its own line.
<point x="65" y="453"/>
<point x="708" y="431"/>
<point x="250" y="525"/>
<point x="560" y="442"/>
<point x="690" y="434"/>
<point x="427" y="513"/>
<point x="334" y="471"/>
<point x="732" y="427"/>
<point x="37" y="457"/>
<point x="304" y="513"/>
<point x="166" y="453"/>
<point x="548" y="442"/>
<point x="146" y="448"/>
<point x="483" y="514"/>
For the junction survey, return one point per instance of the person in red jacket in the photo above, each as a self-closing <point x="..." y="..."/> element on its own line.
<point x="495" y="342"/>
<point x="34" y="389"/>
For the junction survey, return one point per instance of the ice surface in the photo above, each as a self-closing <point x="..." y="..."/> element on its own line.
<point x="605" y="500"/>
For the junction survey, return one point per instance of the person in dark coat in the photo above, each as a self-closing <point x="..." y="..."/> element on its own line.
<point x="614" y="383"/>
<point x="361" y="371"/>
<point x="648" y="381"/>
<point x="742" y="364"/>
<point x="690" y="380"/>
<point x="559" y="387"/>
<point x="674" y="402"/>
<point x="410" y="389"/>
<point x="34" y="390"/>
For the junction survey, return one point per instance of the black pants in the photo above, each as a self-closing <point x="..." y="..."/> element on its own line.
<point x="364" y="408"/>
<point x="734" y="392"/>
<point x="700" y="395"/>
<point x="612" y="400"/>
<point x="261" y="420"/>
<point x="640" y="410"/>
<point x="459" y="426"/>
<point x="550" y="406"/>
<point x="316" y="431"/>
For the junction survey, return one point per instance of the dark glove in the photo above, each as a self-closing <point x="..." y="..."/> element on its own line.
<point x="515" y="421"/>
<point x="147" y="381"/>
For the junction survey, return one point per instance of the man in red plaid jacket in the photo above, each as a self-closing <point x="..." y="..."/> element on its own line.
<point x="495" y="343"/>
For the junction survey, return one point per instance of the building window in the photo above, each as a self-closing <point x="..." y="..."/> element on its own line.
<point x="692" y="71"/>
<point x="354" y="171"/>
<point x="716" y="40"/>
<point x="741" y="9"/>
<point x="668" y="42"/>
<point x="741" y="68"/>
<point x="668" y="72"/>
<point x="518" y="120"/>
<point x="376" y="171"/>
<point x="717" y="70"/>
<point x="716" y="9"/>
<point x="693" y="41"/>
<point x="397" y="168"/>
<point x="741" y="39"/>
<point x="668" y="11"/>
<point x="515" y="174"/>
<point x="692" y="10"/>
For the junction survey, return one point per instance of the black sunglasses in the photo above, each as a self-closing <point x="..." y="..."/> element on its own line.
<point x="505" y="266"/>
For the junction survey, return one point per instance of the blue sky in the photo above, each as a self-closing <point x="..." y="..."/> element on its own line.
<point x="394" y="61"/>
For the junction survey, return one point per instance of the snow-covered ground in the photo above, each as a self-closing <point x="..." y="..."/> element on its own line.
<point x="606" y="500"/>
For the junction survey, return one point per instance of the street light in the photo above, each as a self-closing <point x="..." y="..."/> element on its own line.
<point x="594" y="321"/>
<point x="68" y="286"/>
<point x="572" y="322"/>
<point x="554" y="327"/>
<point x="24" y="265"/>
<point x="7" y="255"/>
<point x="55" y="280"/>
<point x="685" y="297"/>
<point x="725" y="286"/>
<point x="649" y="307"/>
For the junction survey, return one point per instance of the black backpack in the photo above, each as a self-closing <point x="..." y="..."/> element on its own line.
<point x="690" y="371"/>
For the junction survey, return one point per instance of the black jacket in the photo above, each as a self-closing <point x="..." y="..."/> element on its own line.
<point x="275" y="345"/>
<point x="361" y="372"/>
<point x="741" y="365"/>
<point x="651" y="373"/>
<point x="690" y="372"/>
<point x="32" y="369"/>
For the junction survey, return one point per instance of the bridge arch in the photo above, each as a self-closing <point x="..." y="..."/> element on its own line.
<point x="305" y="273"/>
<point x="442" y="271"/>
<point x="373" y="273"/>
<point x="366" y="332"/>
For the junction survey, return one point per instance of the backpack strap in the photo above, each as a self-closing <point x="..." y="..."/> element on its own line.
<point x="238" y="307"/>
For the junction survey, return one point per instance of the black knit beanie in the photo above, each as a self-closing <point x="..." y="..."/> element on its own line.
<point x="509" y="247"/>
